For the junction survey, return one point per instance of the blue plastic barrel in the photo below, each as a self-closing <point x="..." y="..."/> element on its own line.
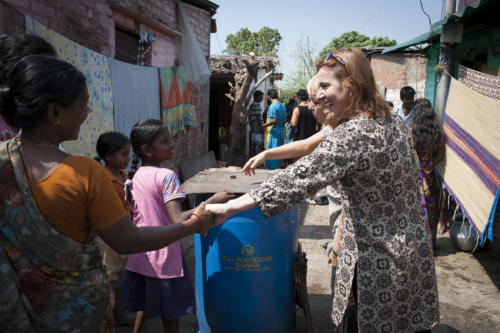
<point x="244" y="274"/>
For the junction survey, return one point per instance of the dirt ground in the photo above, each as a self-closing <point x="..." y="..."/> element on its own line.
<point x="469" y="285"/>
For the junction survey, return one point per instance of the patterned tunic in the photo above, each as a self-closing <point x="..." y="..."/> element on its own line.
<point x="384" y="234"/>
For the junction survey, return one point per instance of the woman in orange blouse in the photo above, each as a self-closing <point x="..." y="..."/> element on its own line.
<point x="51" y="203"/>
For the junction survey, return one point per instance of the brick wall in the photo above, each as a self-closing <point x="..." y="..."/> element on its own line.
<point x="91" y="23"/>
<point x="393" y="71"/>
<point x="200" y="23"/>
<point x="87" y="22"/>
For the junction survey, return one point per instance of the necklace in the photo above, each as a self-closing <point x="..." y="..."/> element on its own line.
<point x="42" y="143"/>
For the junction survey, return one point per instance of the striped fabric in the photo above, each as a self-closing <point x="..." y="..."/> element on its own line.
<point x="471" y="168"/>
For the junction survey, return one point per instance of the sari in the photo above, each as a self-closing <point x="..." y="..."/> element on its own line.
<point x="50" y="283"/>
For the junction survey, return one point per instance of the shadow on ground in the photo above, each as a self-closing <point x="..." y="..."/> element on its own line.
<point x="489" y="259"/>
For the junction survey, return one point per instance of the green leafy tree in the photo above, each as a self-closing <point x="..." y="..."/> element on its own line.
<point x="354" y="38"/>
<point x="264" y="42"/>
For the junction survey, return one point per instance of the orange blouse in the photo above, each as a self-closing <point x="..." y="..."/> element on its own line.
<point x="77" y="196"/>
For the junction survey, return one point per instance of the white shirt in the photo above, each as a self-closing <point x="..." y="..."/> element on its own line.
<point x="401" y="114"/>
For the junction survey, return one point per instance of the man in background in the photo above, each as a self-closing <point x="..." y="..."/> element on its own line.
<point x="403" y="111"/>
<point x="255" y="123"/>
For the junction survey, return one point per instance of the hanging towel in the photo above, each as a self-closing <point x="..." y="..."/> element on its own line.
<point x="471" y="168"/>
<point x="178" y="111"/>
<point x="136" y="94"/>
<point x="95" y="68"/>
<point x="485" y="84"/>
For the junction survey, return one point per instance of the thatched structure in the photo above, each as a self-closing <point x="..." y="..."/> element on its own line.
<point x="232" y="64"/>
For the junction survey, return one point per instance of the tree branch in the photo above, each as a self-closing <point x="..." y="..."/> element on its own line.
<point x="250" y="94"/>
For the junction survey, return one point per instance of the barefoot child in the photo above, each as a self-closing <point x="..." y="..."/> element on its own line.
<point x="113" y="148"/>
<point x="157" y="282"/>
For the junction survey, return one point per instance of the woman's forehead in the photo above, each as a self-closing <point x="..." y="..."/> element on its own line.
<point x="329" y="72"/>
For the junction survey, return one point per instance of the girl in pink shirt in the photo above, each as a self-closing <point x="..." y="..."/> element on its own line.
<point x="157" y="282"/>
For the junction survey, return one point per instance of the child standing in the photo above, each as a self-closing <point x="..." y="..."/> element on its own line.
<point x="158" y="282"/>
<point x="113" y="148"/>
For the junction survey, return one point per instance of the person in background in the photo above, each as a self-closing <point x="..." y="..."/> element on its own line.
<point x="288" y="131"/>
<point x="12" y="49"/>
<point x="303" y="121"/>
<point x="385" y="276"/>
<point x="113" y="148"/>
<point x="158" y="282"/>
<point x="255" y="123"/>
<point x="403" y="111"/>
<point x="429" y="143"/>
<point x="53" y="204"/>
<point x="274" y="126"/>
<point x="292" y="103"/>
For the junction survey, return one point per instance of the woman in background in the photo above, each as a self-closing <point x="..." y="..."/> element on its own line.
<point x="274" y="125"/>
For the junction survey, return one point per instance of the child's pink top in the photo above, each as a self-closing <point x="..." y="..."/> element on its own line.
<point x="152" y="187"/>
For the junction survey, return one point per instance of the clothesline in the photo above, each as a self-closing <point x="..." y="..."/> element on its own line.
<point x="114" y="99"/>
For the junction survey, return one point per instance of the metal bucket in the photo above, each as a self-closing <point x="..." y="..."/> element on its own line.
<point x="462" y="234"/>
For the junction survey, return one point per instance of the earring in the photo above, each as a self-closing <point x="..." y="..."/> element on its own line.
<point x="350" y="94"/>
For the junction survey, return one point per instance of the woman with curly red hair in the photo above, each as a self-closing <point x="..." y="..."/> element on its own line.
<point x="385" y="277"/>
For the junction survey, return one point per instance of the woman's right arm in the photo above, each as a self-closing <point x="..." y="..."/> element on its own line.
<point x="125" y="237"/>
<point x="295" y="117"/>
<point x="290" y="150"/>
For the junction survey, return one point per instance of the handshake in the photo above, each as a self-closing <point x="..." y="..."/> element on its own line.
<point x="213" y="212"/>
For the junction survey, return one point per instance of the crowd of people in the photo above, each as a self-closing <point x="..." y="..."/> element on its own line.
<point x="76" y="232"/>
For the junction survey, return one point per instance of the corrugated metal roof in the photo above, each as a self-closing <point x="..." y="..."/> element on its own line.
<point x="433" y="34"/>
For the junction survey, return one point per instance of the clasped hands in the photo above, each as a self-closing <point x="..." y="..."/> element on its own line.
<point x="214" y="213"/>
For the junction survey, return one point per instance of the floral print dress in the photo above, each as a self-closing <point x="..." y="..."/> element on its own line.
<point x="384" y="238"/>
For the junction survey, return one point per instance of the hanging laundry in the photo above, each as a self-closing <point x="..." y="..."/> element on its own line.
<point x="178" y="111"/>
<point x="95" y="68"/>
<point x="471" y="168"/>
<point x="136" y="94"/>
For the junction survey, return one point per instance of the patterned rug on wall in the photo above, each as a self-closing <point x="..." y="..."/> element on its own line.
<point x="485" y="84"/>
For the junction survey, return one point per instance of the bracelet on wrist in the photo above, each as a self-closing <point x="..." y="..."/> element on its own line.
<point x="200" y="221"/>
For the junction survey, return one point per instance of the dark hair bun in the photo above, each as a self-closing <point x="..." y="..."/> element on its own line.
<point x="8" y="106"/>
<point x="34" y="83"/>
